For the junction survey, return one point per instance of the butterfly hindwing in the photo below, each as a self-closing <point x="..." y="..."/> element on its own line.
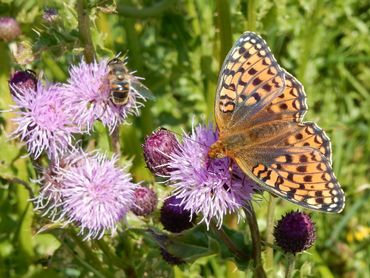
<point x="301" y="175"/>
<point x="250" y="79"/>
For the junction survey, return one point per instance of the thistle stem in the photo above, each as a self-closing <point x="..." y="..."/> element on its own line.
<point x="117" y="261"/>
<point x="290" y="266"/>
<point x="251" y="23"/>
<point x="115" y="141"/>
<point x="84" y="29"/>
<point x="90" y="256"/>
<point x="256" y="241"/>
<point x="229" y="243"/>
<point x="15" y="180"/>
<point x="269" y="234"/>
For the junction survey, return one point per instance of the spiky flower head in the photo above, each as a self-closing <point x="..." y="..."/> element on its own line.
<point x="88" y="97"/>
<point x="169" y="258"/>
<point x="174" y="217"/>
<point x="9" y="28"/>
<point x="295" y="232"/>
<point x="22" y="79"/>
<point x="96" y="194"/>
<point x="211" y="187"/>
<point x="145" y="201"/>
<point x="50" y="15"/>
<point x="42" y="121"/>
<point x="158" y="148"/>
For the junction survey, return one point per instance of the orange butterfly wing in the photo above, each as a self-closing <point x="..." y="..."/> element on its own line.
<point x="285" y="156"/>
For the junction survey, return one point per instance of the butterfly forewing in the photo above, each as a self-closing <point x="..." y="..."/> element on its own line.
<point x="290" y="105"/>
<point x="259" y="110"/>
<point x="250" y="79"/>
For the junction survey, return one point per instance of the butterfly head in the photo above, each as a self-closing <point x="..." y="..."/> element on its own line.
<point x="217" y="150"/>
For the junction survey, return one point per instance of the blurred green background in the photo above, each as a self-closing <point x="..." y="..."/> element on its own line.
<point x="178" y="46"/>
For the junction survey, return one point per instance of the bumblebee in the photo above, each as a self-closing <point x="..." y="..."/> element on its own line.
<point x="122" y="83"/>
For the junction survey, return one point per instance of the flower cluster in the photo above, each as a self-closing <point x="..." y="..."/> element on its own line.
<point x="85" y="189"/>
<point x="210" y="187"/>
<point x="49" y="115"/>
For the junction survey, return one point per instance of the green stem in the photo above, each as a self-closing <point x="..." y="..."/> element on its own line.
<point x="269" y="234"/>
<point x="290" y="266"/>
<point x="229" y="243"/>
<point x="115" y="142"/>
<point x="155" y="10"/>
<point x="256" y="241"/>
<point x="88" y="266"/>
<point x="224" y="26"/>
<point x="90" y="256"/>
<point x="84" y="29"/>
<point x="117" y="261"/>
<point x="251" y="24"/>
<point x="15" y="180"/>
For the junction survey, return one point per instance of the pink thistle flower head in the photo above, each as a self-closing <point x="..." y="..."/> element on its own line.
<point x="88" y="95"/>
<point x="207" y="186"/>
<point x="9" y="28"/>
<point x="42" y="121"/>
<point x="96" y="194"/>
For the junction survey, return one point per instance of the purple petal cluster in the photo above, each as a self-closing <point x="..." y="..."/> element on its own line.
<point x="88" y="190"/>
<point x="207" y="186"/>
<point x="88" y="97"/>
<point x="42" y="121"/>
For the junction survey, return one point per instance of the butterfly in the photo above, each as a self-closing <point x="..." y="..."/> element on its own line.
<point x="259" y="109"/>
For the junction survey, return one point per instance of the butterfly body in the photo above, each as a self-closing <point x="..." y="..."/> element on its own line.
<point x="259" y="109"/>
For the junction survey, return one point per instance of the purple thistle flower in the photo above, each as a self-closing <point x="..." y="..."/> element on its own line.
<point x="9" y="28"/>
<point x="145" y="201"/>
<point x="22" y="79"/>
<point x="42" y="120"/>
<point x="295" y="232"/>
<point x="206" y="185"/>
<point x="88" y="97"/>
<point x="96" y="194"/>
<point x="157" y="151"/>
<point x="174" y="217"/>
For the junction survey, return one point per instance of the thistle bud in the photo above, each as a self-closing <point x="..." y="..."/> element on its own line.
<point x="22" y="80"/>
<point x="157" y="150"/>
<point x="9" y="28"/>
<point x="145" y="201"/>
<point x="174" y="217"/>
<point x="295" y="232"/>
<point x="50" y="15"/>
